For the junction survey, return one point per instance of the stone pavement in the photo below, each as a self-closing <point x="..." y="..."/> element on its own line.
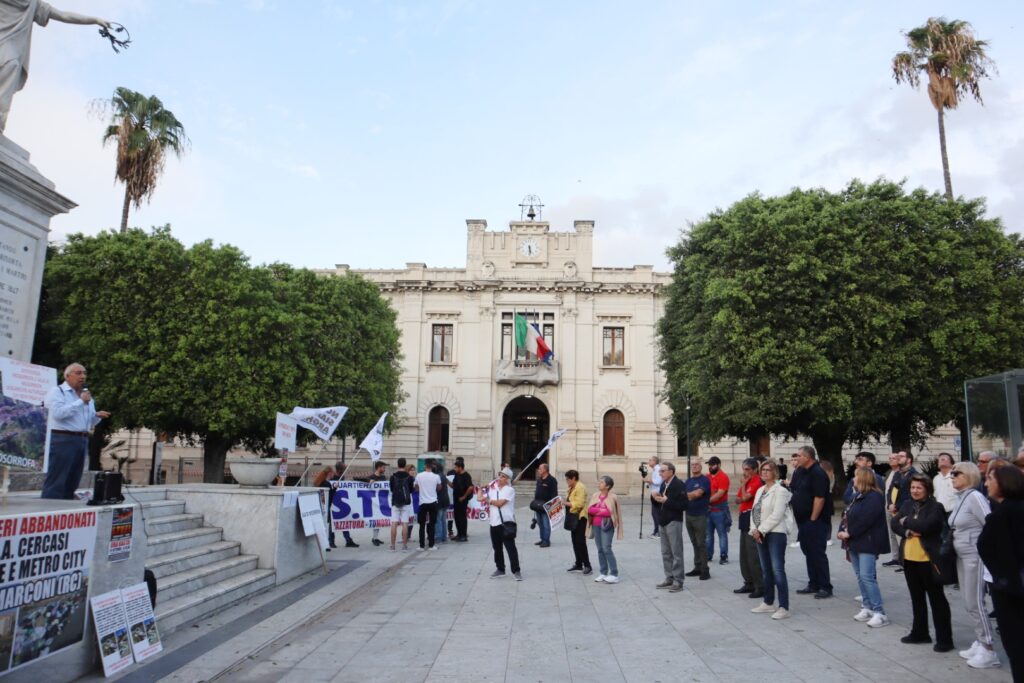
<point x="436" y="616"/>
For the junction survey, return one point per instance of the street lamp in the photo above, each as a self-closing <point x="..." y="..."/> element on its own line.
<point x="687" y="436"/>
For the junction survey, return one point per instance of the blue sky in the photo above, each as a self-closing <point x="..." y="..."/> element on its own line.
<point x="366" y="132"/>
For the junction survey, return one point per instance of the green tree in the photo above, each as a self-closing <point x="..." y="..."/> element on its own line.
<point x="954" y="61"/>
<point x="201" y="345"/>
<point x="144" y="131"/>
<point x="839" y="315"/>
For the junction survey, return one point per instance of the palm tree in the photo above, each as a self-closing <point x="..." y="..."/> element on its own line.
<point x="144" y="131"/>
<point x="955" y="62"/>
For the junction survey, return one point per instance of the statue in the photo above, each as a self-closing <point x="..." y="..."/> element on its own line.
<point x="16" y="19"/>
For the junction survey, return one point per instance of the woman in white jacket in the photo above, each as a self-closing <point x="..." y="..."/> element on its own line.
<point x="771" y="521"/>
<point x="970" y="508"/>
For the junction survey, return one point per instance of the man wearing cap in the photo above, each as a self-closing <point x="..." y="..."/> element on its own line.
<point x="73" y="415"/>
<point x="719" y="519"/>
<point x="500" y="500"/>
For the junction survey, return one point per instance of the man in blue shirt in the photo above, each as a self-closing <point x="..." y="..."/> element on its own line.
<point x="72" y="418"/>
<point x="698" y="493"/>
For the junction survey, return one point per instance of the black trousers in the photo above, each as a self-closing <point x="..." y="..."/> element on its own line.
<point x="924" y="590"/>
<point x="812" y="537"/>
<point x="460" y="518"/>
<point x="427" y="517"/>
<point x="579" y="544"/>
<point x="655" y="513"/>
<point x="1010" y="618"/>
<point x="497" y="541"/>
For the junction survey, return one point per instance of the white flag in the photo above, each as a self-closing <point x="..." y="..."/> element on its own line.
<point x="320" y="421"/>
<point x="374" y="441"/>
<point x="556" y="436"/>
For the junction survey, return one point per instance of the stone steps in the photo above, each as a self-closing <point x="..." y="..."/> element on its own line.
<point x="197" y="571"/>
<point x="180" y="611"/>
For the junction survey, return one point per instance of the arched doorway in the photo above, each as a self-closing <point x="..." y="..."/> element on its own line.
<point x="437" y="429"/>
<point x="524" y="431"/>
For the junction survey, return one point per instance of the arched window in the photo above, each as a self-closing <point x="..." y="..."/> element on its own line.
<point x="437" y="432"/>
<point x="614" y="433"/>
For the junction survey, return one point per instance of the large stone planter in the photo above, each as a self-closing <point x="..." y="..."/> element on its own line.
<point x="257" y="472"/>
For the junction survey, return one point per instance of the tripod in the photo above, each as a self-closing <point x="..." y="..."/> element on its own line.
<point x="643" y="477"/>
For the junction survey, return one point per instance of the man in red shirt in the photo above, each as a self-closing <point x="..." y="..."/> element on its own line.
<point x="719" y="519"/>
<point x="750" y="563"/>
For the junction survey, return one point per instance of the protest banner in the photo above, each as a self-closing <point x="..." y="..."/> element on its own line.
<point x="556" y="510"/>
<point x="285" y="431"/>
<point x="24" y="438"/>
<point x="141" y="621"/>
<point x="45" y="560"/>
<point x="367" y="505"/>
<point x="120" y="547"/>
<point x="111" y="632"/>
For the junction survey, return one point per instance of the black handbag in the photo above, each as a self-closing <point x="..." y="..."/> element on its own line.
<point x="571" y="521"/>
<point x="537" y="505"/>
<point x="508" y="529"/>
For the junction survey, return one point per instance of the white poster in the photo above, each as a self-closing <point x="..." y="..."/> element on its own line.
<point x="313" y="517"/>
<point x="141" y="622"/>
<point x="24" y="437"/>
<point x="284" y="433"/>
<point x="45" y="561"/>
<point x="111" y="632"/>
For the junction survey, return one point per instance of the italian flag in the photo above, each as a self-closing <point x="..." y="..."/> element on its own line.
<point x="528" y="337"/>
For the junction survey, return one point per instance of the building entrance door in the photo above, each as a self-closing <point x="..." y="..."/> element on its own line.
<point x="524" y="432"/>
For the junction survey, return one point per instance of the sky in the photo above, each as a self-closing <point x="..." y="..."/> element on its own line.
<point x="366" y="132"/>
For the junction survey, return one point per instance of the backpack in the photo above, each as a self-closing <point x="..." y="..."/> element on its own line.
<point x="400" y="496"/>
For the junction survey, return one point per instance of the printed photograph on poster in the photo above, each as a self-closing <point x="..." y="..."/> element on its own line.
<point x="142" y="622"/>
<point x="120" y="547"/>
<point x="24" y="439"/>
<point x="111" y="632"/>
<point x="556" y="510"/>
<point x="44" y="582"/>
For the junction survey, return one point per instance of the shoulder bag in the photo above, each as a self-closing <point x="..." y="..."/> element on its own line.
<point x="508" y="529"/>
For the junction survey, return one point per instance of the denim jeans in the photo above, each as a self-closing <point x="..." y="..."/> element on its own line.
<point x="605" y="556"/>
<point x="772" y="553"/>
<point x="545" y="526"/>
<point x="867" y="581"/>
<point x="716" y="522"/>
<point x="441" y="529"/>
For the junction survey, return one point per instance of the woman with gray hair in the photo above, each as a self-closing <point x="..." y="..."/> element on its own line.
<point x="605" y="519"/>
<point x="966" y="522"/>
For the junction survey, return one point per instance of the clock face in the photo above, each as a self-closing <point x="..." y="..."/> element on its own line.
<point x="529" y="247"/>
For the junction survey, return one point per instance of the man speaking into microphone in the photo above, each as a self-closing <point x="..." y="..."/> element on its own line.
<point x="72" y="418"/>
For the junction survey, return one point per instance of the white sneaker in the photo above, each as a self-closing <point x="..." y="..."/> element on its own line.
<point x="864" y="615"/>
<point x="984" y="659"/>
<point x="878" y="620"/>
<point x="764" y="608"/>
<point x="611" y="579"/>
<point x="781" y="613"/>
<point x="828" y="543"/>
<point x="971" y="651"/>
<point x="859" y="598"/>
<point x="599" y="578"/>
<point x="794" y="545"/>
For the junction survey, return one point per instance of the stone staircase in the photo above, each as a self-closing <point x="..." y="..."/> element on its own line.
<point x="197" y="571"/>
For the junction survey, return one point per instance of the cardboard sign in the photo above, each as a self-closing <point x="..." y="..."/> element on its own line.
<point x="313" y="518"/>
<point x="284" y="433"/>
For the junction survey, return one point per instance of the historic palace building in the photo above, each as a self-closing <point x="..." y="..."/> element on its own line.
<point x="471" y="392"/>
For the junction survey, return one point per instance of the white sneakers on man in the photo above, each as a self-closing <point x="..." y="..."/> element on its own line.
<point x="972" y="650"/>
<point x="600" y="578"/>
<point x="764" y="608"/>
<point x="781" y="613"/>
<point x="984" y="659"/>
<point x="611" y="579"/>
<point x="878" y="620"/>
<point x="864" y="615"/>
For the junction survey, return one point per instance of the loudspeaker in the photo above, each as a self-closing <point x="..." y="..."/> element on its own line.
<point x="107" y="489"/>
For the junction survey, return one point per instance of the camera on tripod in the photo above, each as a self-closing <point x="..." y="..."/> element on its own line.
<point x="643" y="469"/>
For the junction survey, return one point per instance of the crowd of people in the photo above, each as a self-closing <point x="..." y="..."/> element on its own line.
<point x="963" y="527"/>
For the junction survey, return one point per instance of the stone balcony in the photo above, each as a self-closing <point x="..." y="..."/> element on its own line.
<point x="526" y="372"/>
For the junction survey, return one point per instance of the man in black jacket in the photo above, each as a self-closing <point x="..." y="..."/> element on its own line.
<point x="547" y="488"/>
<point x="672" y="497"/>
<point x="462" y="489"/>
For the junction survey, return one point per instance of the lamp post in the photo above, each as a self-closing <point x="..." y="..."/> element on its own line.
<point x="687" y="436"/>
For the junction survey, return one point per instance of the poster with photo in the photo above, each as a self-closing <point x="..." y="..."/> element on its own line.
<point x="24" y="438"/>
<point x="112" y="632"/>
<point x="141" y="622"/>
<point x="45" y="561"/>
<point x="121" y="524"/>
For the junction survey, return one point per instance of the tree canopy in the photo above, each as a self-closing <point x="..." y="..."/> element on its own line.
<point x="839" y="316"/>
<point x="199" y="344"/>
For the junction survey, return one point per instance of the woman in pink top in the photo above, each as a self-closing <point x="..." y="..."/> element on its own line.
<point x="605" y="519"/>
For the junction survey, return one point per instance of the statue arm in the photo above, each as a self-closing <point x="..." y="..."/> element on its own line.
<point x="74" y="18"/>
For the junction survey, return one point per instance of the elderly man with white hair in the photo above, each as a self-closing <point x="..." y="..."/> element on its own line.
<point x="73" y="415"/>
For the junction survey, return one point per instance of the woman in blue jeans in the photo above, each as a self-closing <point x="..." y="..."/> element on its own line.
<point x="769" y="520"/>
<point x="866" y="536"/>
<point x="605" y="521"/>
